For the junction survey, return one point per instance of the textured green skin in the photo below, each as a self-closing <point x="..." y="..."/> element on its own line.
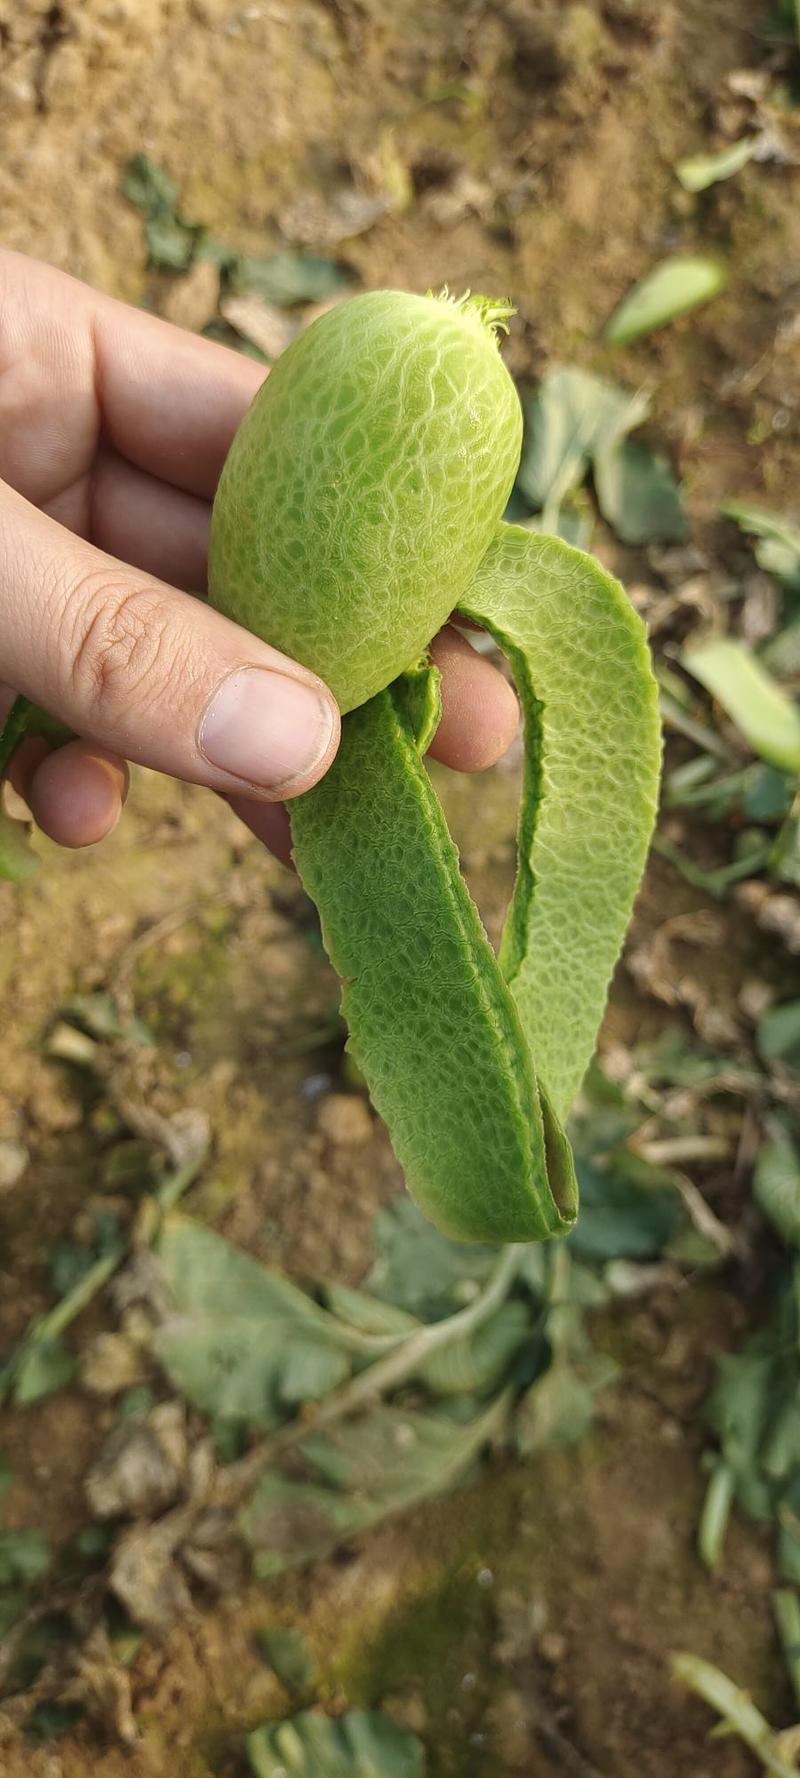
<point x="472" y="1061"/>
<point x="457" y="1047"/>
<point x="363" y="487"/>
<point x="432" y="1022"/>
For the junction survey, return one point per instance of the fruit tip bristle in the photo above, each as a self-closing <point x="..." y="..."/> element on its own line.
<point x="493" y="313"/>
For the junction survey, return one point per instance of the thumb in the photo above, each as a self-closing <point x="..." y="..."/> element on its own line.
<point x="152" y="673"/>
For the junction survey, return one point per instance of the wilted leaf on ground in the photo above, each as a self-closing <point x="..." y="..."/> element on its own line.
<point x="365" y="1470"/>
<point x="361" y="1744"/>
<point x="776" y="1185"/>
<point x="638" y="495"/>
<point x="44" y="1367"/>
<point x="671" y="289"/>
<point x="778" y="1034"/>
<point x="171" y="241"/>
<point x="699" y="171"/>
<point x="558" y="1407"/>
<point x="778" y="549"/>
<point x="767" y="718"/>
<point x="24" y="1556"/>
<point x="287" y="278"/>
<point x="289" y="1656"/>
<point x="244" y="1342"/>
<point x="420" y="1270"/>
<point x="479" y="1361"/>
<point x="622" y="1218"/>
<point x="568" y="418"/>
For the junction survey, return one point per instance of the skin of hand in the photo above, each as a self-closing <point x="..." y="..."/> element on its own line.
<point x="114" y="426"/>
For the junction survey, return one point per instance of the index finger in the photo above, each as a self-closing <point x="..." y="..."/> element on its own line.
<point x="171" y="401"/>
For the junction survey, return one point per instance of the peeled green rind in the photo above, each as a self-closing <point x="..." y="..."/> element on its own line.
<point x="432" y="1023"/>
<point x="581" y="664"/>
<point x="364" y="485"/>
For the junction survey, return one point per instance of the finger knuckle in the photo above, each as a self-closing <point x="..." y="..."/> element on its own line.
<point x="119" y="644"/>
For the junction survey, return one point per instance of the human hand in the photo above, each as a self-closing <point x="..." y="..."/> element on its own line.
<point x="114" y="427"/>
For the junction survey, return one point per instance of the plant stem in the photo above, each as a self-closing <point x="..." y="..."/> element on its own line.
<point x="735" y="1708"/>
<point x="387" y="1373"/>
<point x="715" y="1514"/>
<point x="786" y="1606"/>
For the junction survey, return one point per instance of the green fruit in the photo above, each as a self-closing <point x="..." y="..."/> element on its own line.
<point x="360" y="503"/>
<point x="363" y="486"/>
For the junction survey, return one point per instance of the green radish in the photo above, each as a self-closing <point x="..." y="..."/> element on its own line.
<point x="360" y="504"/>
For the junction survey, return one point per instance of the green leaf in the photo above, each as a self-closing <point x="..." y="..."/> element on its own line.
<point x="45" y="1366"/>
<point x="311" y="1369"/>
<point x="778" y="537"/>
<point x="572" y="415"/>
<point x="421" y="1271"/>
<point x="18" y="861"/>
<point x="362" y="1744"/>
<point x="778" y="1034"/>
<point x="558" y="1407"/>
<point x="622" y="1217"/>
<point x="638" y="494"/>
<point x="171" y="243"/>
<point x="244" y="1341"/>
<point x="699" y="171"/>
<point x="365" y="1470"/>
<point x="24" y="1556"/>
<point x="288" y="1655"/>
<point x="289" y="278"/>
<point x="477" y="1364"/>
<point x="671" y="289"/>
<point x="369" y="1314"/>
<point x="776" y="1187"/>
<point x="767" y="718"/>
<point x="148" y="186"/>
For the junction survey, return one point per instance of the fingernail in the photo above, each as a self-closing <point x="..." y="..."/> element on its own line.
<point x="265" y="728"/>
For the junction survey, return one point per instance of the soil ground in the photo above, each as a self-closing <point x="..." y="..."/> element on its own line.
<point x="536" y="142"/>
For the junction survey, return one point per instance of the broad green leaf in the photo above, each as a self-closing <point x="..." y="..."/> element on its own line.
<point x="288" y="278"/>
<point x="571" y="415"/>
<point x="18" y="861"/>
<point x="148" y="186"/>
<point x="671" y="289"/>
<point x="361" y="1744"/>
<point x="778" y="1034"/>
<point x="244" y="1343"/>
<point x="45" y="1366"/>
<point x="638" y="495"/>
<point x="421" y="1271"/>
<point x="699" y="171"/>
<point x="365" y="1471"/>
<point x="369" y="1314"/>
<point x="477" y="1364"/>
<point x="776" y="1187"/>
<point x="622" y="1218"/>
<point x="781" y="654"/>
<point x="558" y="1407"/>
<point x="24" y="1556"/>
<point x="288" y="1654"/>
<point x="767" y="718"/>
<point x="310" y="1370"/>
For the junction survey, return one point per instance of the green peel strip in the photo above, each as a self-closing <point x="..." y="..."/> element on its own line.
<point x="472" y="1060"/>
